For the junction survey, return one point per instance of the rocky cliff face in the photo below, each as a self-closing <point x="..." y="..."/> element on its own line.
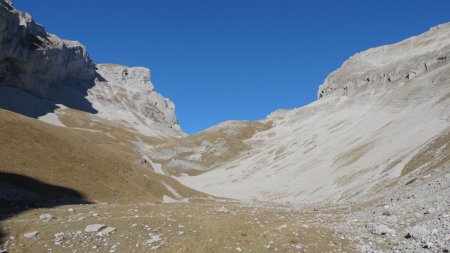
<point x="60" y="72"/>
<point x="127" y="94"/>
<point x="33" y="60"/>
<point x="377" y="69"/>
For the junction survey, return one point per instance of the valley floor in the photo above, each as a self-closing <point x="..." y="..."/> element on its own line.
<point x="206" y="226"/>
<point x="414" y="217"/>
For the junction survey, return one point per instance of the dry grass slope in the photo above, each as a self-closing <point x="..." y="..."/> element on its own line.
<point x="68" y="158"/>
<point x="434" y="155"/>
<point x="225" y="142"/>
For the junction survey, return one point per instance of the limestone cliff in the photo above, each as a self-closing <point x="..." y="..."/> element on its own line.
<point x="40" y="72"/>
<point x="127" y="94"/>
<point x="378" y="68"/>
<point x="33" y="60"/>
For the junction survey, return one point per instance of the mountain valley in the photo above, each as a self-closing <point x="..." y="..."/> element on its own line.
<point x="93" y="158"/>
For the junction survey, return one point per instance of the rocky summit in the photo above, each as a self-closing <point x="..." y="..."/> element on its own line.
<point x="93" y="159"/>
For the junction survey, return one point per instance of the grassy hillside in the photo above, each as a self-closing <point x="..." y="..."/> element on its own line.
<point x="67" y="158"/>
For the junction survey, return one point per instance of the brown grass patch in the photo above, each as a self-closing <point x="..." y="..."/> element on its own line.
<point x="353" y="155"/>
<point x="434" y="155"/>
<point x="349" y="178"/>
<point x="392" y="165"/>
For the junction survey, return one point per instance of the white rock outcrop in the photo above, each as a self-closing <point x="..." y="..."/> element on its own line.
<point x="127" y="94"/>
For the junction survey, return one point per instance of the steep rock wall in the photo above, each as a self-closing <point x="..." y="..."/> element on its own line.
<point x="33" y="60"/>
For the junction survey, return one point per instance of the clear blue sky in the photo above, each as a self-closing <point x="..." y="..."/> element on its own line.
<point x="234" y="59"/>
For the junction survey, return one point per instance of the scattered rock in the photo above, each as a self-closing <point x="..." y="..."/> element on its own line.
<point x="153" y="239"/>
<point x="58" y="238"/>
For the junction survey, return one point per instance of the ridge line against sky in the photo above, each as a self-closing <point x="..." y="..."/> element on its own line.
<point x="234" y="60"/>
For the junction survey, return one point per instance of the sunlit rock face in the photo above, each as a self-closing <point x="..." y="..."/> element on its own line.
<point x="377" y="68"/>
<point x="127" y="94"/>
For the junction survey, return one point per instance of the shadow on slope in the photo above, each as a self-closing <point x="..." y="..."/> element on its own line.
<point x="70" y="94"/>
<point x="20" y="193"/>
<point x="39" y="70"/>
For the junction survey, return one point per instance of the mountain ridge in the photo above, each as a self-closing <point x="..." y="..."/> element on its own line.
<point x="389" y="63"/>
<point x="61" y="72"/>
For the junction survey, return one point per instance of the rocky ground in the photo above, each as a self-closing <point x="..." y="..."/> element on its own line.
<point x="203" y="226"/>
<point x="414" y="216"/>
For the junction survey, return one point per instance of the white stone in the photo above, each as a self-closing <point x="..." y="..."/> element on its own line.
<point x="418" y="232"/>
<point x="46" y="217"/>
<point x="94" y="228"/>
<point x="30" y="235"/>
<point x="381" y="229"/>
